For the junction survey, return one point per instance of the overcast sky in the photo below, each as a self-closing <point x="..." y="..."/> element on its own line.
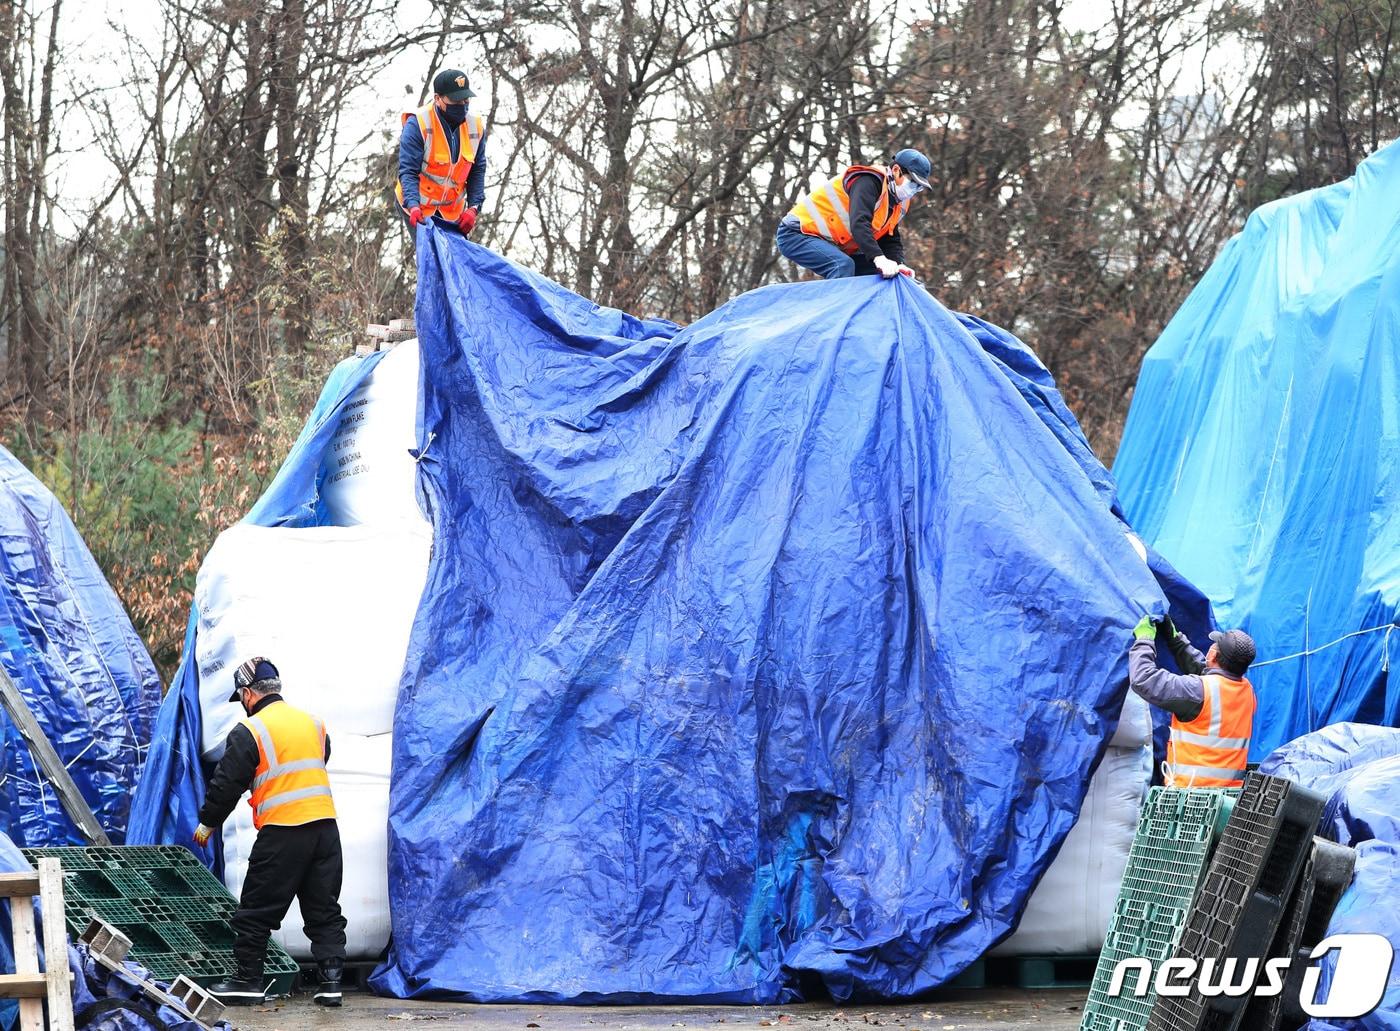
<point x="94" y="54"/>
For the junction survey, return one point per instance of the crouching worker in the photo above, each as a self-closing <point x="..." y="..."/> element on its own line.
<point x="1212" y="704"/>
<point x="280" y="753"/>
<point x="850" y="225"/>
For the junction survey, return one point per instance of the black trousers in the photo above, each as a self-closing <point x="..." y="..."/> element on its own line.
<point x="304" y="863"/>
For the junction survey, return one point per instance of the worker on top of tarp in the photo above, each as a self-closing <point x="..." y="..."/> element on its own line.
<point x="442" y="158"/>
<point x="849" y="226"/>
<point x="280" y="753"/>
<point x="1212" y="703"/>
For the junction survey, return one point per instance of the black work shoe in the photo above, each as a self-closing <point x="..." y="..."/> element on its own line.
<point x="328" y="992"/>
<point x="239" y="991"/>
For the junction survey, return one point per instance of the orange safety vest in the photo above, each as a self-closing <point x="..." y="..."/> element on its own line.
<point x="442" y="182"/>
<point x="1211" y="751"/>
<point x="291" y="786"/>
<point x="826" y="211"/>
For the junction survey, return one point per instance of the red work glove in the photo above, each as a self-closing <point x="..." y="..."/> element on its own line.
<point x="416" y="216"/>
<point x="466" y="221"/>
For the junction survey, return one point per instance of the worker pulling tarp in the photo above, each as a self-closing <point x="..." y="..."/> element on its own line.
<point x="68" y="645"/>
<point x="772" y="649"/>
<point x="1261" y="455"/>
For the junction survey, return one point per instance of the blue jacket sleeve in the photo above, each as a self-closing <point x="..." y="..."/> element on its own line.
<point x="410" y="162"/>
<point x="476" y="178"/>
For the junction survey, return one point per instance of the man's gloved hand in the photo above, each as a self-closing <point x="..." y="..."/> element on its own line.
<point x="416" y="217"/>
<point x="466" y="221"/>
<point x="905" y="270"/>
<point x="201" y="835"/>
<point x="888" y="267"/>
<point x="1145" y="630"/>
<point x="1168" y="627"/>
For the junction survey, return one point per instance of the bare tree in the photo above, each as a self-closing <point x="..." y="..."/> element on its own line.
<point x="29" y="49"/>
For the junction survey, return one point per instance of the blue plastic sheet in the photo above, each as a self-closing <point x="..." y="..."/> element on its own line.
<point x="770" y="651"/>
<point x="779" y="645"/>
<point x="1260" y="455"/>
<point x="1326" y="759"/>
<point x="68" y="644"/>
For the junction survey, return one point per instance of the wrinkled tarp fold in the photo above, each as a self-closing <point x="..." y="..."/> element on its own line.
<point x="67" y="643"/>
<point x="774" y="648"/>
<point x="778" y="645"/>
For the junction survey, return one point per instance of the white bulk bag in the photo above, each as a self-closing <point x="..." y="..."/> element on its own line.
<point x="367" y="473"/>
<point x="331" y="606"/>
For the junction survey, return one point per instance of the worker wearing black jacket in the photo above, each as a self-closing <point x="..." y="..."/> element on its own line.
<point x="849" y="226"/>
<point x="280" y="753"/>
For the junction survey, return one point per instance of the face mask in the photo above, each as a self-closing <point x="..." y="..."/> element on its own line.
<point x="454" y="114"/>
<point x="903" y="191"/>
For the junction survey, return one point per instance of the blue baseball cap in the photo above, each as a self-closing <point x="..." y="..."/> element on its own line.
<point x="915" y="165"/>
<point x="256" y="672"/>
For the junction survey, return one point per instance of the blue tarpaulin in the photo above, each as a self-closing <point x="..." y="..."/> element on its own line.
<point x="1262" y="456"/>
<point x="67" y="643"/>
<point x="772" y="651"/>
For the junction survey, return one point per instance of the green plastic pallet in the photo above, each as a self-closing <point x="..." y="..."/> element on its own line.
<point x="172" y="908"/>
<point x="1176" y="832"/>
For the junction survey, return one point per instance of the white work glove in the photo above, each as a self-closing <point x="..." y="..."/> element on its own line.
<point x="888" y="266"/>
<point x="905" y="270"/>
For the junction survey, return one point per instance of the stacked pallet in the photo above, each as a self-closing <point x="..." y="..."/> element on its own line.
<point x="174" y="911"/>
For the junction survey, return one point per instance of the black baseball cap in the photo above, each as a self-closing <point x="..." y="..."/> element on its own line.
<point x="452" y="84"/>
<point x="1236" y="649"/>
<point x="256" y="672"/>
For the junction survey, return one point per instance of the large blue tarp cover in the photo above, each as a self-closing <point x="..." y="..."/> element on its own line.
<point x="771" y="652"/>
<point x="67" y="643"/>
<point x="1358" y="768"/>
<point x="1261" y="454"/>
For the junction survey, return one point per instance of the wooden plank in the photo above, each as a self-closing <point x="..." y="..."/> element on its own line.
<point x="24" y="986"/>
<point x="12" y="884"/>
<point x="31" y="1011"/>
<point x="56" y="971"/>
<point x="50" y="766"/>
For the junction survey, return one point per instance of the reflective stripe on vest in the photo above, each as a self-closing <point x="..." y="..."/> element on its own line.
<point x="291" y="785"/>
<point x="826" y="211"/>
<point x="442" y="182"/>
<point x="1211" y="751"/>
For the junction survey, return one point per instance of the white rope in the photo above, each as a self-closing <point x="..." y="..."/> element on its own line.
<point x="69" y="764"/>
<point x="1385" y="660"/>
